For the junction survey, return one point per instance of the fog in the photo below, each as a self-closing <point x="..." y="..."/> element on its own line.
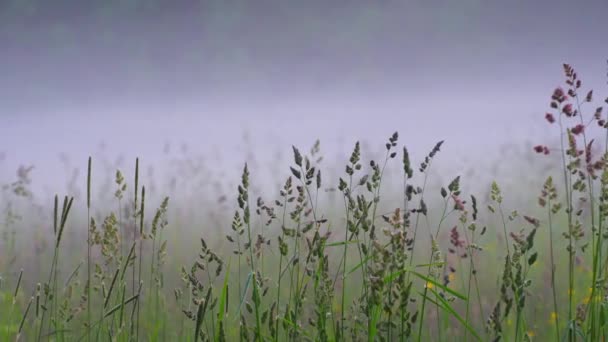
<point x="230" y="80"/>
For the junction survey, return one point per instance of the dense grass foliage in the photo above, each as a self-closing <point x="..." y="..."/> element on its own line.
<point x="352" y="257"/>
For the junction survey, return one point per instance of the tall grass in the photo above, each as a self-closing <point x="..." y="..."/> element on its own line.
<point x="419" y="263"/>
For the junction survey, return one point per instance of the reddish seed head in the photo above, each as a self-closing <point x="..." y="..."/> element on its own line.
<point x="455" y="238"/>
<point x="568" y="110"/>
<point x="578" y="129"/>
<point x="458" y="204"/>
<point x="550" y="118"/>
<point x="558" y="94"/>
<point x="541" y="149"/>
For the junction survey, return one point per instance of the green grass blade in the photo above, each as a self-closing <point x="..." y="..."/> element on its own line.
<point x="223" y="303"/>
<point x="435" y="283"/>
<point x="445" y="305"/>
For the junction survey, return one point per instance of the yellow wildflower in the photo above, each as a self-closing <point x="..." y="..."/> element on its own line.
<point x="553" y="317"/>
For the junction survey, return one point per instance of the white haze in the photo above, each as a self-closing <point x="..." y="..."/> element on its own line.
<point x="477" y="75"/>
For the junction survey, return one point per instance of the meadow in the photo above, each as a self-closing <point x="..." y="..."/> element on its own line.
<point x="371" y="247"/>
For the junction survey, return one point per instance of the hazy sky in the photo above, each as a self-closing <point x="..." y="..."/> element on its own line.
<point x="136" y="74"/>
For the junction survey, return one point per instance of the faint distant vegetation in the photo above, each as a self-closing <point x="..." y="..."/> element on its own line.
<point x="375" y="246"/>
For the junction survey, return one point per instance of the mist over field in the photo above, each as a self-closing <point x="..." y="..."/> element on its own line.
<point x="136" y="75"/>
<point x="272" y="198"/>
